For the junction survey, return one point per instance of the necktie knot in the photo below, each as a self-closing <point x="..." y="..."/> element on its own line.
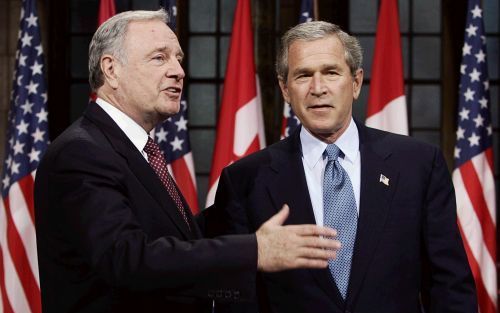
<point x="152" y="147"/>
<point x="332" y="152"/>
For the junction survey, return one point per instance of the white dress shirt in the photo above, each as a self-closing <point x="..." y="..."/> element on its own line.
<point x="314" y="165"/>
<point x="134" y="131"/>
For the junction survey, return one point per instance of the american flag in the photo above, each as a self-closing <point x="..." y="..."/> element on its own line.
<point x="473" y="173"/>
<point x="173" y="138"/>
<point x="27" y="137"/>
<point x="290" y="120"/>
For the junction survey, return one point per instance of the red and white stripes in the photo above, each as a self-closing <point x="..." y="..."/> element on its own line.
<point x="475" y="191"/>
<point x="183" y="173"/>
<point x="386" y="107"/>
<point x="19" y="280"/>
<point x="240" y="128"/>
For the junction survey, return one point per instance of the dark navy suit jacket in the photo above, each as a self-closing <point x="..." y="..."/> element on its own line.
<point x="408" y="247"/>
<point x="110" y="238"/>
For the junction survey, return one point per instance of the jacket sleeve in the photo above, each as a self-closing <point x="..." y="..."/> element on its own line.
<point x="90" y="210"/>
<point x="229" y="216"/>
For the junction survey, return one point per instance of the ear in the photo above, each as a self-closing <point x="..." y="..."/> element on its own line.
<point x="356" y="83"/>
<point x="284" y="89"/>
<point x="110" y="67"/>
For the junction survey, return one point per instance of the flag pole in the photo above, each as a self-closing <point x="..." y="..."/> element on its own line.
<point x="316" y="10"/>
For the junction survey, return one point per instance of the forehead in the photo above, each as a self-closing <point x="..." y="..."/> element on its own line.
<point x="150" y="33"/>
<point x="319" y="50"/>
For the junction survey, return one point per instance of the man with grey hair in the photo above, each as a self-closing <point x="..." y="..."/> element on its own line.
<point x="390" y="197"/>
<point x="114" y="234"/>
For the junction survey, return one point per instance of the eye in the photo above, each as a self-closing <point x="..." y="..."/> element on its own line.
<point x="159" y="58"/>
<point x="302" y="76"/>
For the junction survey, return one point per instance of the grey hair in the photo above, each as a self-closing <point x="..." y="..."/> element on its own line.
<point x="109" y="39"/>
<point x="318" y="30"/>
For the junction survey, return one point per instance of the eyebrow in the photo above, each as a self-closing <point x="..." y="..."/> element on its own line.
<point x="302" y="70"/>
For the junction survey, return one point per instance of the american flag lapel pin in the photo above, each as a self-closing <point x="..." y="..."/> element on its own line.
<point x="384" y="180"/>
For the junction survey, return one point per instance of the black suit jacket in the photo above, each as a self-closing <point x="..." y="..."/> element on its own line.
<point x="407" y="247"/>
<point x="110" y="238"/>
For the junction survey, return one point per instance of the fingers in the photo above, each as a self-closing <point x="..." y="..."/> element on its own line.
<point x="294" y="246"/>
<point x="285" y="250"/>
<point x="317" y="254"/>
<point x="312" y="230"/>
<point x="320" y="242"/>
<point x="310" y="258"/>
<point x="305" y="258"/>
<point x="279" y="218"/>
<point x="310" y="263"/>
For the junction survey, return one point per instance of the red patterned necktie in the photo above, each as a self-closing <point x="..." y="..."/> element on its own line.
<point x="159" y="165"/>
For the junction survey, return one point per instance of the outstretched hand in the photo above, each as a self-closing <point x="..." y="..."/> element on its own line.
<point x="294" y="246"/>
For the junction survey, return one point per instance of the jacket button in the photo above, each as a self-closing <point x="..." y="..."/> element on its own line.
<point x="236" y="294"/>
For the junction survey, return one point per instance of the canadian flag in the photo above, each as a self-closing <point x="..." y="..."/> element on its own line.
<point x="240" y="128"/>
<point x="106" y="10"/>
<point x="386" y="108"/>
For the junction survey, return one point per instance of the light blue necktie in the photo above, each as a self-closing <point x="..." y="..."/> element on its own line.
<point x="339" y="206"/>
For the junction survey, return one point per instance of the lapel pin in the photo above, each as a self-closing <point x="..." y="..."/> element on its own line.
<point x="384" y="180"/>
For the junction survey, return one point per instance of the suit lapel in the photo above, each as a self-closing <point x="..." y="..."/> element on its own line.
<point x="375" y="201"/>
<point x="290" y="184"/>
<point x="290" y="187"/>
<point x="139" y="166"/>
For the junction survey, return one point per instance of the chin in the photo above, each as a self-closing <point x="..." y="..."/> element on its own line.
<point x="169" y="110"/>
<point x="324" y="129"/>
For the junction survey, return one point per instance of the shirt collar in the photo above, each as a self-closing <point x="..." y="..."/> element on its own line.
<point x="348" y="142"/>
<point x="313" y="148"/>
<point x="134" y="131"/>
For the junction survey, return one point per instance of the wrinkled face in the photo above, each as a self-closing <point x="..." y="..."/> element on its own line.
<point x="151" y="77"/>
<point x="320" y="86"/>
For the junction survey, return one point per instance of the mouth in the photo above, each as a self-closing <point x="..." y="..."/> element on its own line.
<point x="320" y="107"/>
<point x="173" y="91"/>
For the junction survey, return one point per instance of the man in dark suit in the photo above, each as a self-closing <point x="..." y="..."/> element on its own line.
<point x="114" y="234"/>
<point x="390" y="197"/>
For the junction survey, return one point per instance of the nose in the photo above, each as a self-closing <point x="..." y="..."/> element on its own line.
<point x="317" y="85"/>
<point x="176" y="71"/>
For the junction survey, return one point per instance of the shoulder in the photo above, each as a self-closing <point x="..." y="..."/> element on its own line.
<point x="385" y="143"/>
<point x="277" y="152"/>
<point x="413" y="159"/>
<point x="82" y="141"/>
